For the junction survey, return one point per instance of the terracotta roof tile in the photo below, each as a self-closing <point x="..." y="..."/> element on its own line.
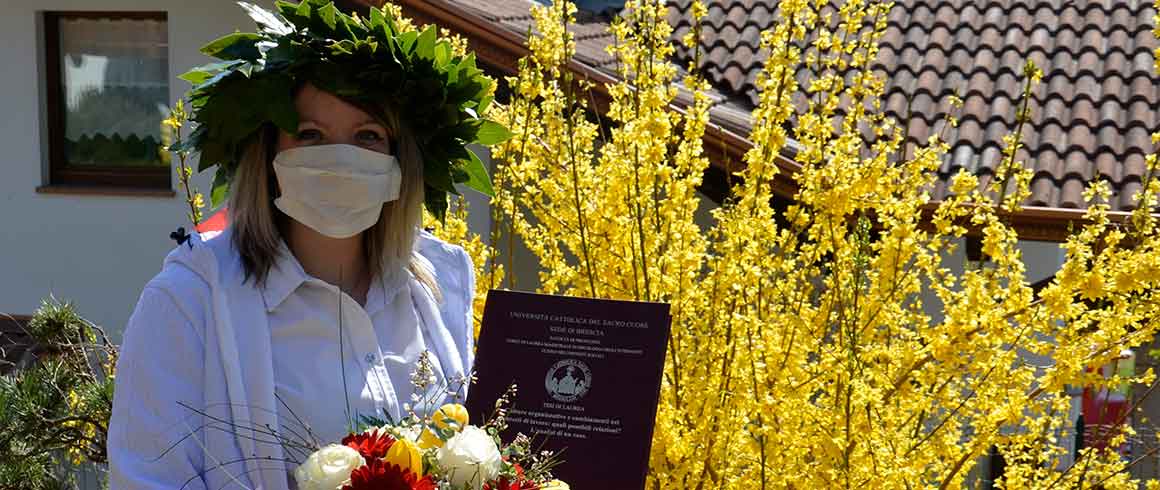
<point x="1091" y="115"/>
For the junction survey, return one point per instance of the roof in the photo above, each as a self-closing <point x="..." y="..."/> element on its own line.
<point x="1092" y="115"/>
<point x="591" y="35"/>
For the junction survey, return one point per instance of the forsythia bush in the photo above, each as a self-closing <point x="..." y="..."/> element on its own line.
<point x="802" y="353"/>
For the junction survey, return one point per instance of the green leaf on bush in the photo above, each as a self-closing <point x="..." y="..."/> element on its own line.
<point x="491" y="133"/>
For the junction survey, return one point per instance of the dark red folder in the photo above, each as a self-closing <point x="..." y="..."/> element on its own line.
<point x="588" y="373"/>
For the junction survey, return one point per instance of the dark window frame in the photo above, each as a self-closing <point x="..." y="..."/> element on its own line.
<point x="59" y="173"/>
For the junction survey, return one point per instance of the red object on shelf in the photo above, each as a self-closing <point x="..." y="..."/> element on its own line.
<point x="215" y="223"/>
<point x="1104" y="409"/>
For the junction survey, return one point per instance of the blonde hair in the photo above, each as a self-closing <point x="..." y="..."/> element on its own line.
<point x="389" y="245"/>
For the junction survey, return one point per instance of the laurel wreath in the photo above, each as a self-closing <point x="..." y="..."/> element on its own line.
<point x="375" y="61"/>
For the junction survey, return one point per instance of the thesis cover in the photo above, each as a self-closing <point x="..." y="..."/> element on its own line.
<point x="588" y="373"/>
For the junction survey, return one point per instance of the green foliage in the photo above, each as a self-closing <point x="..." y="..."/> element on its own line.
<point x="377" y="62"/>
<point x="58" y="323"/>
<point x="60" y="405"/>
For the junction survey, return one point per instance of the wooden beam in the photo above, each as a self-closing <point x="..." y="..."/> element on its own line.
<point x="1043" y="223"/>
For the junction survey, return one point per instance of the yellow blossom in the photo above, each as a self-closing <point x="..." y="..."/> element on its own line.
<point x="451" y="413"/>
<point x="405" y="454"/>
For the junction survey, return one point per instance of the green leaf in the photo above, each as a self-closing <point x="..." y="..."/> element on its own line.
<point x="296" y="13"/>
<point x="266" y="19"/>
<point x="213" y="80"/>
<point x="459" y="174"/>
<point x="213" y="152"/>
<point x="221" y="187"/>
<point x="328" y="15"/>
<point x="344" y="47"/>
<point x="437" y="173"/>
<point x="463" y="132"/>
<point x="459" y="70"/>
<point x="442" y="53"/>
<point x="199" y="75"/>
<point x="303" y="14"/>
<point x="468" y="62"/>
<point x="351" y="27"/>
<point x="491" y="133"/>
<point x="239" y="45"/>
<point x="280" y="107"/>
<point x="287" y="52"/>
<point x="436" y="202"/>
<point x="426" y="46"/>
<point x="407" y="41"/>
<point x="377" y="20"/>
<point x="483" y="104"/>
<point x="477" y="175"/>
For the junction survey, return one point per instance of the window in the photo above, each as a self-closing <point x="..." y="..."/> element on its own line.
<point x="13" y="341"/>
<point x="107" y="90"/>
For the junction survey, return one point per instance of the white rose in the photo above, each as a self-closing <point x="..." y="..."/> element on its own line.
<point x="410" y="432"/>
<point x="470" y="458"/>
<point x="328" y="468"/>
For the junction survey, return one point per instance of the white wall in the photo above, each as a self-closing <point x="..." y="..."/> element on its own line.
<point x="97" y="251"/>
<point x="1042" y="260"/>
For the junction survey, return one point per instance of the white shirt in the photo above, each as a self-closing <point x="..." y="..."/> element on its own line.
<point x="206" y="353"/>
<point x="381" y="345"/>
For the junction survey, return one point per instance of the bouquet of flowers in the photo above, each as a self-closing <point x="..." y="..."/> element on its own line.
<point x="443" y="452"/>
<point x="439" y="451"/>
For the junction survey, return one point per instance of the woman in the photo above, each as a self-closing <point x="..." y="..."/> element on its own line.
<point x="315" y="305"/>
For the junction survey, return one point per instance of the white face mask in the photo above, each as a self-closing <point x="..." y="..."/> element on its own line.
<point x="337" y="190"/>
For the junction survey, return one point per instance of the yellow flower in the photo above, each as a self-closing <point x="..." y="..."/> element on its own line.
<point x="405" y="454"/>
<point x="451" y="413"/>
<point x="428" y="440"/>
<point x="449" y="416"/>
<point x="1093" y="287"/>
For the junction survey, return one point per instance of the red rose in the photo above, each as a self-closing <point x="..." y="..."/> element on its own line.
<point x="379" y="475"/>
<point x="371" y="445"/>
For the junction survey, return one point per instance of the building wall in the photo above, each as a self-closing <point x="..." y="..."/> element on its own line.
<point x="97" y="251"/>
